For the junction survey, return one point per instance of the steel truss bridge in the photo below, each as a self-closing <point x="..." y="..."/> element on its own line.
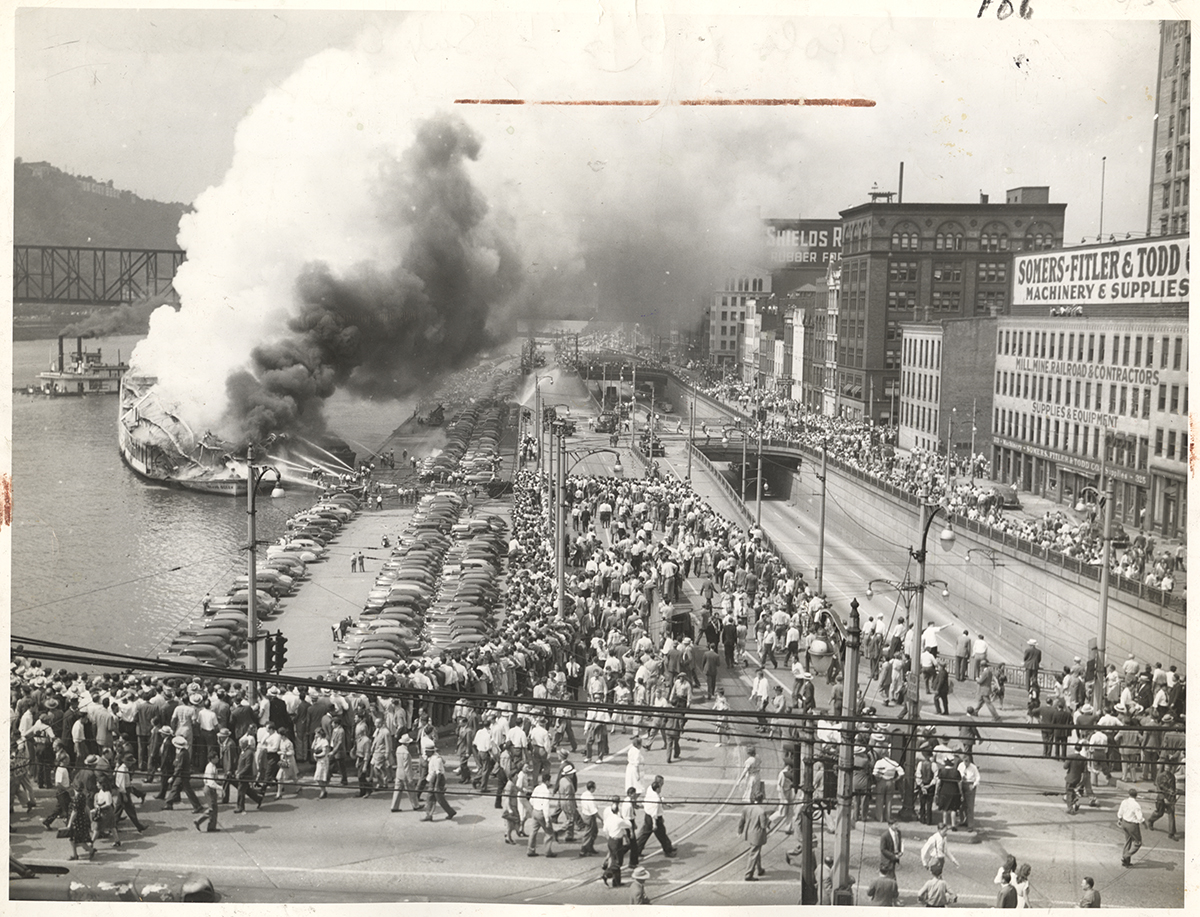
<point x="92" y="276"/>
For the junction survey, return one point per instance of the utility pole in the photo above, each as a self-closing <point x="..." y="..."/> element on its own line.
<point x="633" y="408"/>
<point x="844" y="889"/>
<point x="821" y="531"/>
<point x="1110" y="497"/>
<point x="808" y="856"/>
<point x="974" y="418"/>
<point x="692" y="432"/>
<point x="253" y="477"/>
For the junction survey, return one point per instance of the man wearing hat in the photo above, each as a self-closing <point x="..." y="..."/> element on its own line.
<point x="1033" y="661"/>
<point x="638" y="892"/>
<point x="408" y="776"/>
<point x="753" y="828"/>
<point x="181" y="777"/>
<point x="245" y="775"/>
<point x="227" y="753"/>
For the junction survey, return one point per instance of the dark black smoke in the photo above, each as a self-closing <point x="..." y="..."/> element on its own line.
<point x="389" y="333"/>
<point x="129" y="318"/>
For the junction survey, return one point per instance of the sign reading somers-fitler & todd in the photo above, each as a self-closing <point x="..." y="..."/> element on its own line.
<point x="1142" y="272"/>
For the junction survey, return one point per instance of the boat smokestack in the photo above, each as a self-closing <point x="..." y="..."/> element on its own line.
<point x="79" y="348"/>
<point x="900" y="192"/>
<point x="60" y="353"/>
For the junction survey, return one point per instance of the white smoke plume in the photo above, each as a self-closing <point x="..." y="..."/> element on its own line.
<point x="631" y="211"/>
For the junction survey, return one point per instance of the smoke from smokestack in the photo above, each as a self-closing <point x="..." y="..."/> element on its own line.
<point x="384" y="333"/>
<point x="365" y="241"/>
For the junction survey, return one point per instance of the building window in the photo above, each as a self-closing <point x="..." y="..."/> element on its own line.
<point x="902" y="271"/>
<point x="1166" y="194"/>
<point x="948" y="239"/>
<point x="992" y="271"/>
<point x="1167" y="161"/>
<point x="902" y="299"/>
<point x="1171" y="444"/>
<point x="1174" y="399"/>
<point x="947" y="272"/>
<point x="905" y="238"/>
<point x="947" y="301"/>
<point x="1171" y="126"/>
<point x="1100" y="351"/>
<point x="1162" y="397"/>
<point x="1177" y="363"/>
<point x="1158" y="442"/>
<point x="989" y="302"/>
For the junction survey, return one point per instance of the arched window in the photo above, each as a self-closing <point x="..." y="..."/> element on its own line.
<point x="1039" y="237"/>
<point x="949" y="238"/>
<point x="994" y="238"/>
<point x="905" y="237"/>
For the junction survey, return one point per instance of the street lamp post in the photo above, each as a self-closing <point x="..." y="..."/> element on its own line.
<point x="692" y="431"/>
<point x="1110" y="497"/>
<point x="949" y="445"/>
<point x="760" y="412"/>
<point x="254" y="476"/>
<point x="560" y="534"/>
<point x="928" y="514"/>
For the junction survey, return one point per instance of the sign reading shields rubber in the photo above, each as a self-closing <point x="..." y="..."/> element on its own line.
<point x="1134" y="273"/>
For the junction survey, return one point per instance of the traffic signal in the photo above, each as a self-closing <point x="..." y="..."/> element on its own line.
<point x="796" y="764"/>
<point x="280" y="652"/>
<point x="269" y="653"/>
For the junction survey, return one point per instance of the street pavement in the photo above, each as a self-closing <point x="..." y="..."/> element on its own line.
<point x="346" y="848"/>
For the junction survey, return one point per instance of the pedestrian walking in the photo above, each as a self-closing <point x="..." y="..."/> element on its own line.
<point x="935" y="892"/>
<point x="542" y="802"/>
<point x="934" y="851"/>
<point x="1165" y="784"/>
<point x="986" y="680"/>
<point x="212" y="784"/>
<point x="435" y="778"/>
<point x="589" y="814"/>
<point x="884" y="891"/>
<point x="891" y="848"/>
<point x="948" y="794"/>
<point x="616" y="829"/>
<point x="1130" y="818"/>
<point x="1021" y="884"/>
<point x="652" y="809"/>
<point x="752" y="828"/>
<point x="1006" y="896"/>
<point x="245" y="775"/>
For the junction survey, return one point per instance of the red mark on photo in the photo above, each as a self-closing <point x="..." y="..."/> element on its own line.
<point x="649" y="103"/>
<point x="5" y="499"/>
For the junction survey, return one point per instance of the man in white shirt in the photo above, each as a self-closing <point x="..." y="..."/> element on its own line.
<point x="1130" y="818"/>
<point x="653" y="818"/>
<point x="542" y="802"/>
<point x="935" y="851"/>
<point x="616" y="828"/>
<point x="969" y="772"/>
<point x="589" y="814"/>
<point x="212" y="784"/>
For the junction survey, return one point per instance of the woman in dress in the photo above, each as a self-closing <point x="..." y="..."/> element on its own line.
<point x="320" y="754"/>
<point x="634" y="777"/>
<point x="948" y="792"/>
<point x="79" y="824"/>
<point x="104" y="811"/>
<point x="289" y="771"/>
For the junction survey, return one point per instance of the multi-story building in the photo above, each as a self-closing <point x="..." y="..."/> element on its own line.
<point x="827" y="342"/>
<point x="1091" y="378"/>
<point x="727" y="314"/>
<point x="923" y="262"/>
<point x="1171" y="150"/>
<point x="945" y="386"/>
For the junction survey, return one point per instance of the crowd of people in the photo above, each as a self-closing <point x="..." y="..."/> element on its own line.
<point x="544" y="690"/>
<point x="871" y="450"/>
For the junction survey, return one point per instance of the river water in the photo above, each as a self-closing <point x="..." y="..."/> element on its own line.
<point x="104" y="560"/>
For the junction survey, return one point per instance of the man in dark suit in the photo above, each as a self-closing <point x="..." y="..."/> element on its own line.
<point x="891" y="847"/>
<point x="752" y="828"/>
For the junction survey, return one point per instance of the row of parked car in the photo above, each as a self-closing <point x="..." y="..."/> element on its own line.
<point x="219" y="638"/>
<point x="409" y="608"/>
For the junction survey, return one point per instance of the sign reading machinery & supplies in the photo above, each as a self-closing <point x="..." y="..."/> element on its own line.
<point x="1143" y="272"/>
